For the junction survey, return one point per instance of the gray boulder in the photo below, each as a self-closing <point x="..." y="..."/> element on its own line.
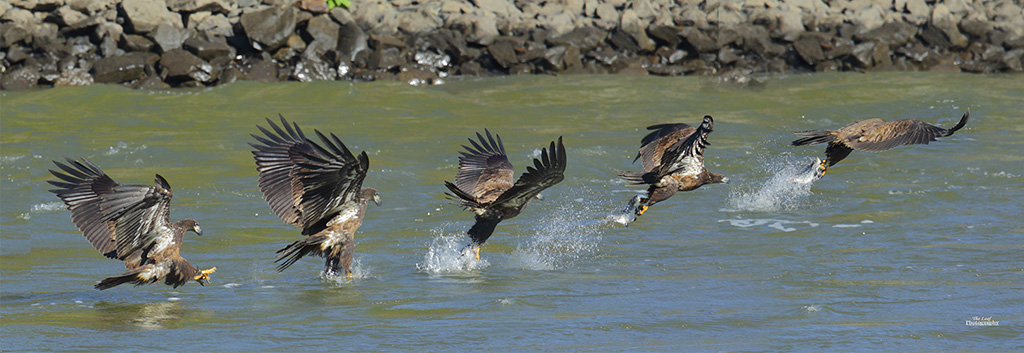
<point x="270" y="28"/>
<point x="145" y="15"/>
<point x="120" y="69"/>
<point x="180" y="65"/>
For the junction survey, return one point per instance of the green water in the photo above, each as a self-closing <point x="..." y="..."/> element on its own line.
<point x="889" y="251"/>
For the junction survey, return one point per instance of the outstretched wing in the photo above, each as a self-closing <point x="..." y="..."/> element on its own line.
<point x="121" y="221"/>
<point x="545" y="172"/>
<point x="901" y="132"/>
<point x="303" y="182"/>
<point x="686" y="155"/>
<point x="654" y="144"/>
<point x="484" y="170"/>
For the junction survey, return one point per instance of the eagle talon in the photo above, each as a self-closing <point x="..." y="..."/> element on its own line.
<point x="349" y="275"/>
<point x="822" y="168"/>
<point x="204" y="275"/>
<point x="640" y="210"/>
<point x="476" y="251"/>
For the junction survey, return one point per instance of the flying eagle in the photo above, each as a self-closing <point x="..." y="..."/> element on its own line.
<point x="130" y="223"/>
<point x="673" y="160"/>
<point x="317" y="187"/>
<point x="484" y="185"/>
<point x="873" y="135"/>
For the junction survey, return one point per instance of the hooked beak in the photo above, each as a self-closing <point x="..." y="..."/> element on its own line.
<point x="199" y="231"/>
<point x="376" y="199"/>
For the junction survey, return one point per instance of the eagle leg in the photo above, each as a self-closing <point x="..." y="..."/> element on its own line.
<point x="204" y="275"/>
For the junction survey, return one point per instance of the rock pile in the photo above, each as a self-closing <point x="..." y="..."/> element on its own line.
<point x="195" y="43"/>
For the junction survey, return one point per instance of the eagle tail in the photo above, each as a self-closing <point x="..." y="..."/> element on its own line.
<point x="811" y="137"/>
<point x="482" y="229"/>
<point x="465" y="199"/>
<point x="633" y="178"/>
<point x="138" y="276"/>
<point x="961" y="124"/>
<point x="292" y="253"/>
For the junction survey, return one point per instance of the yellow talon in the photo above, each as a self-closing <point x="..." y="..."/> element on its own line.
<point x="349" y="275"/>
<point x="822" y="168"/>
<point x="476" y="250"/>
<point x="205" y="274"/>
<point x="643" y="208"/>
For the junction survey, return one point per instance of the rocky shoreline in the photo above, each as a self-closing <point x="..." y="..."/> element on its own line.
<point x="157" y="44"/>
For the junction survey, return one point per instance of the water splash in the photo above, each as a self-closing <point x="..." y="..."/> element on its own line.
<point x="123" y="148"/>
<point x="445" y="254"/>
<point x="562" y="239"/>
<point x="627" y="214"/>
<point x="358" y="272"/>
<point x="788" y="187"/>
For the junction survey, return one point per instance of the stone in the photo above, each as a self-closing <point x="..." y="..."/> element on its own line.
<point x="323" y="29"/>
<point x="313" y="69"/>
<point x="215" y="6"/>
<point x="167" y="37"/>
<point x="145" y="15"/>
<point x="416" y="77"/>
<point x="606" y="11"/>
<point x="313" y="6"/>
<point x="635" y="27"/>
<point x="584" y="38"/>
<point x="896" y="33"/>
<point x="73" y="77"/>
<point x="977" y="28"/>
<point x="503" y="51"/>
<point x="135" y="42"/>
<point x="26" y="77"/>
<point x="270" y="28"/>
<point x="667" y="35"/>
<point x="482" y="30"/>
<point x="120" y="69"/>
<point x="809" y="48"/>
<point x="66" y="16"/>
<point x="151" y="83"/>
<point x="90" y="6"/>
<point x="211" y="24"/>
<point x="698" y="40"/>
<point x="351" y="41"/>
<point x="470" y="68"/>
<point x="623" y="41"/>
<point x="384" y="60"/>
<point x="179" y="66"/>
<point x="208" y="50"/>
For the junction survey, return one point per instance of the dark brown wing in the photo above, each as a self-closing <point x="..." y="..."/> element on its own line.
<point x="901" y="132"/>
<point x="546" y="172"/>
<point x="121" y="221"/>
<point x="653" y="145"/>
<point x="484" y="170"/>
<point x="304" y="182"/>
<point x="686" y="155"/>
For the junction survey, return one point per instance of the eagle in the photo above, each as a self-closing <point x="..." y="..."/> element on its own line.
<point x="872" y="135"/>
<point x="316" y="187"/>
<point x="130" y="223"/>
<point x="672" y="156"/>
<point x="484" y="184"/>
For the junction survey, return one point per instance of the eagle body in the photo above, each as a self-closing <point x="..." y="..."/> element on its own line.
<point x="873" y="135"/>
<point x="129" y="223"/>
<point x="484" y="182"/>
<point x="316" y="187"/>
<point x="672" y="156"/>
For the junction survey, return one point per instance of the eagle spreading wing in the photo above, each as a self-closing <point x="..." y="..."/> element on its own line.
<point x="130" y="223"/>
<point x="873" y="135"/>
<point x="316" y="187"/>
<point x="484" y="183"/>
<point x="673" y="160"/>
